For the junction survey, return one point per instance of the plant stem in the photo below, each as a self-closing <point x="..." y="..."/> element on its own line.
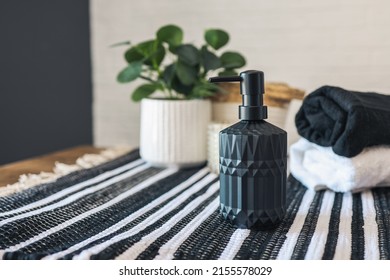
<point x="147" y="78"/>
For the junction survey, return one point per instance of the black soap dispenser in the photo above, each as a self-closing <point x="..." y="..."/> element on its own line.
<point x="252" y="160"/>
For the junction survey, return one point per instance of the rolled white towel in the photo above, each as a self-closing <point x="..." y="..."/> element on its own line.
<point x="319" y="167"/>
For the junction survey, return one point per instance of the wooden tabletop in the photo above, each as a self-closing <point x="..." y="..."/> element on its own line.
<point x="10" y="173"/>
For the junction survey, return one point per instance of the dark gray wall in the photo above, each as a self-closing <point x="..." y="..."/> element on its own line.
<point x="45" y="77"/>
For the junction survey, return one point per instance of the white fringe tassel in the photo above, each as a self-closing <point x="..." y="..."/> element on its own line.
<point x="61" y="169"/>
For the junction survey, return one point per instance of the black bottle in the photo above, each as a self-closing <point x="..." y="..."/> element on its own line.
<point x="252" y="160"/>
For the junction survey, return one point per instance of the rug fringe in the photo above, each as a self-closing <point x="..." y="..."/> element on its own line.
<point x="61" y="169"/>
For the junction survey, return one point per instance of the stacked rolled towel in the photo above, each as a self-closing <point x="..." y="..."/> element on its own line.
<point x="319" y="167"/>
<point x="347" y="138"/>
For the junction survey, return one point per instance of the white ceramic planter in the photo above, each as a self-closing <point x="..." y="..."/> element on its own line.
<point x="174" y="132"/>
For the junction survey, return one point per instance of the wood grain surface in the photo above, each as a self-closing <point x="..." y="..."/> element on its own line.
<point x="10" y="173"/>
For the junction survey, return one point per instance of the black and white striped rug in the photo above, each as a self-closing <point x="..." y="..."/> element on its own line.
<point x="125" y="209"/>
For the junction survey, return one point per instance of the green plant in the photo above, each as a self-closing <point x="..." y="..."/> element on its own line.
<point x="176" y="68"/>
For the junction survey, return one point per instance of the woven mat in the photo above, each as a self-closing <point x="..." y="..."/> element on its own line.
<point x="125" y="209"/>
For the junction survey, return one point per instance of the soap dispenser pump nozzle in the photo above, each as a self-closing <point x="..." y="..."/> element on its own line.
<point x="252" y="90"/>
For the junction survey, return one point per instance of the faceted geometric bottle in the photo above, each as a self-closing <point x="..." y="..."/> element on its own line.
<point x="253" y="161"/>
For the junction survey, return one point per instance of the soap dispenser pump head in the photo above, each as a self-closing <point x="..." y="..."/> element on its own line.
<point x="252" y="90"/>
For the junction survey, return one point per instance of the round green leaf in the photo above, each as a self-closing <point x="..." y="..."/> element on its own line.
<point x="169" y="74"/>
<point x="152" y="51"/>
<point x="216" y="38"/>
<point x="209" y="60"/>
<point x="204" y="90"/>
<point x="130" y="73"/>
<point x="180" y="87"/>
<point x="188" y="54"/>
<point x="147" y="48"/>
<point x="143" y="91"/>
<point x="157" y="56"/>
<point x="187" y="74"/>
<point x="171" y="34"/>
<point x="231" y="60"/>
<point x="132" y="55"/>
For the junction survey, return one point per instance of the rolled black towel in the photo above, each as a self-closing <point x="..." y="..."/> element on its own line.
<point x="348" y="121"/>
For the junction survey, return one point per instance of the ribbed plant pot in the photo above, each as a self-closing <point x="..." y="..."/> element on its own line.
<point x="174" y="132"/>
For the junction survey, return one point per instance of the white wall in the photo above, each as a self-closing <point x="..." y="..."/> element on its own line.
<point x="306" y="43"/>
